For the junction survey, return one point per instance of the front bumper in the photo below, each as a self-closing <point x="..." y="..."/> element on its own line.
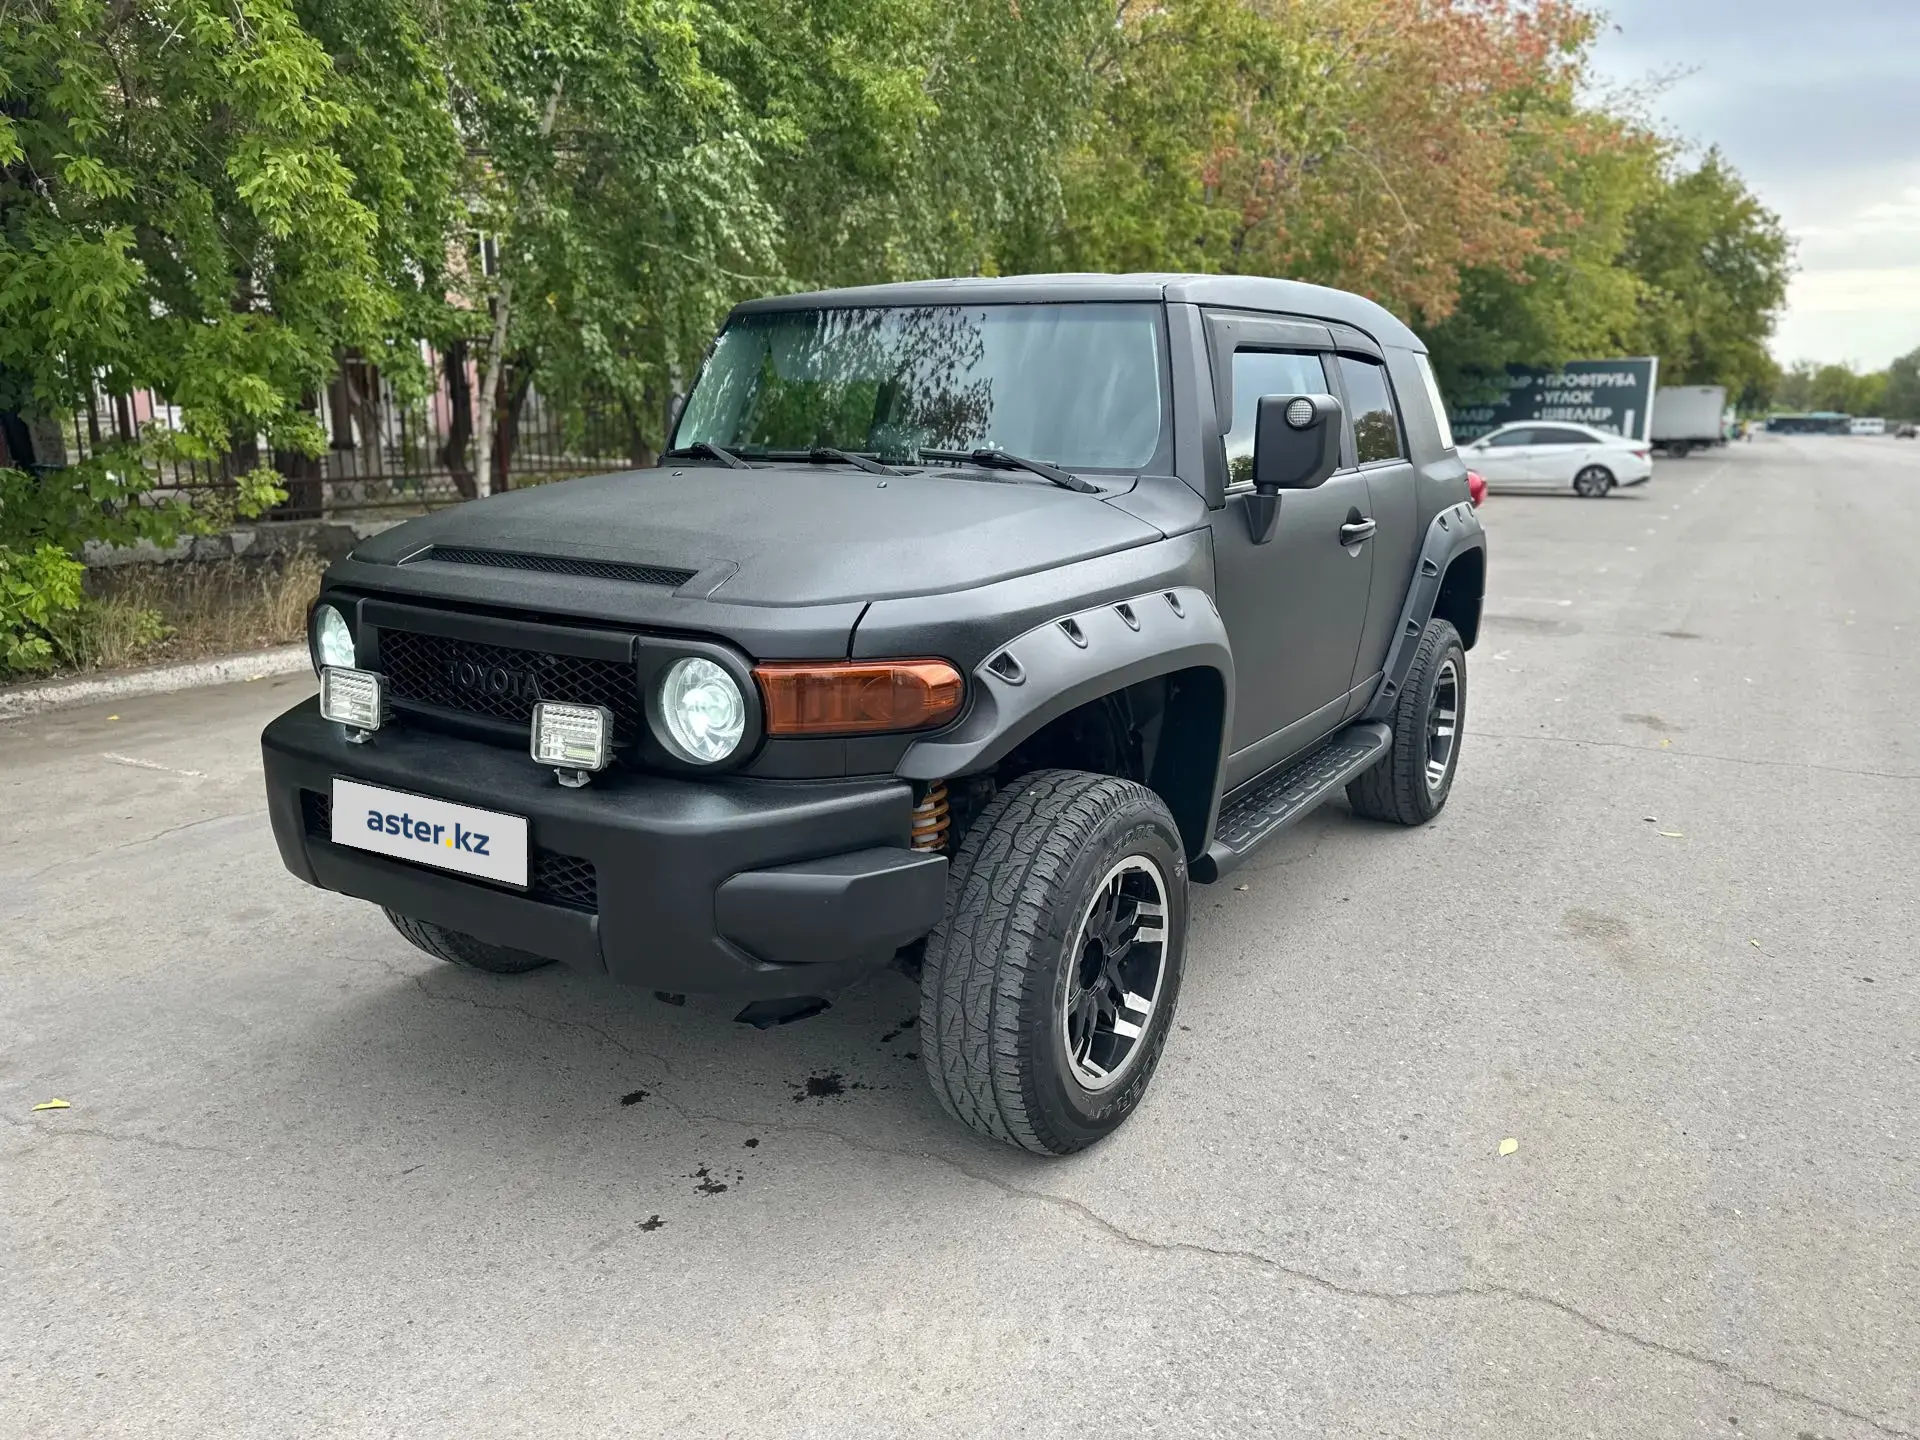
<point x="758" y="888"/>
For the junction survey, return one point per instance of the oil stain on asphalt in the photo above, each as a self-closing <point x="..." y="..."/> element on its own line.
<point x="711" y="1183"/>
<point x="825" y="1085"/>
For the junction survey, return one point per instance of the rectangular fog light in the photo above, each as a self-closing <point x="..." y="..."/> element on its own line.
<point x="355" y="698"/>
<point x="572" y="737"/>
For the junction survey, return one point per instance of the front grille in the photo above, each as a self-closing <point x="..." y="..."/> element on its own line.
<point x="553" y="878"/>
<point x="663" y="575"/>
<point x="503" y="683"/>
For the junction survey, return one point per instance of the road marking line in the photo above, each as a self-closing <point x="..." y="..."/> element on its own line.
<point x="150" y="765"/>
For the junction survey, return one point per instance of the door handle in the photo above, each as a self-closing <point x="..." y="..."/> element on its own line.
<point x="1355" y="531"/>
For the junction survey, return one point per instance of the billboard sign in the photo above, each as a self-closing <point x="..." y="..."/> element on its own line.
<point x="1613" y="395"/>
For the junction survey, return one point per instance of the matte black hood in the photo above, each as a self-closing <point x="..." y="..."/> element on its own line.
<point x="788" y="536"/>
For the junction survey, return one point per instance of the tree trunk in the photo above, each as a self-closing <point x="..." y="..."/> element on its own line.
<point x="490" y="379"/>
<point x="640" y="452"/>
<point x="16" y="442"/>
<point x="497" y="345"/>
<point x="519" y="381"/>
<point x="453" y="454"/>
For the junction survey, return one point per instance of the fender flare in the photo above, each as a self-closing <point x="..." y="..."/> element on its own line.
<point x="1062" y="664"/>
<point x="1451" y="534"/>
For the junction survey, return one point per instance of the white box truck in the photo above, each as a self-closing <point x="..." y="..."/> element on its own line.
<point x="1688" y="417"/>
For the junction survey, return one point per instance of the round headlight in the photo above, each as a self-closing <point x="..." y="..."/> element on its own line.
<point x="702" y="712"/>
<point x="332" y="640"/>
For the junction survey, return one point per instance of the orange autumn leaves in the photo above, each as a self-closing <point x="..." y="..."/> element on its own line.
<point x="1384" y="146"/>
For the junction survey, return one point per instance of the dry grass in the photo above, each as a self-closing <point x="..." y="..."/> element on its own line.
<point x="151" y="614"/>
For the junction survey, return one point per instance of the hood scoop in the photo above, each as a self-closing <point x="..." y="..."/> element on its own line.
<point x="664" y="576"/>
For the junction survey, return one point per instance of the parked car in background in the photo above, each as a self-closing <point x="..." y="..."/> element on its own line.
<point x="1532" y="454"/>
<point x="1866" y="425"/>
<point x="1905" y="432"/>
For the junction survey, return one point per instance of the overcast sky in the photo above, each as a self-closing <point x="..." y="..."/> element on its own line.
<point x="1818" y="105"/>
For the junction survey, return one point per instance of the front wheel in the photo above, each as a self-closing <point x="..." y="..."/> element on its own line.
<point x="1411" y="782"/>
<point x="1050" y="983"/>
<point x="1593" y="482"/>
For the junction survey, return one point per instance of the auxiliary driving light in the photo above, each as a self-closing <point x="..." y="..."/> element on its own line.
<point x="576" y="740"/>
<point x="356" y="699"/>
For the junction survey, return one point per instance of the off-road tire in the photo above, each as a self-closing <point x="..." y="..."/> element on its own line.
<point x="457" y="948"/>
<point x="996" y="972"/>
<point x="1594" y="482"/>
<point x="1397" y="787"/>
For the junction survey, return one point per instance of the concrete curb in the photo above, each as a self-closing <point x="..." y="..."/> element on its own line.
<point x="159" y="680"/>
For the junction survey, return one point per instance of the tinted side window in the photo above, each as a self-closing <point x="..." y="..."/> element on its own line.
<point x="1265" y="372"/>
<point x="1553" y="435"/>
<point x="1511" y="437"/>
<point x="1376" y="430"/>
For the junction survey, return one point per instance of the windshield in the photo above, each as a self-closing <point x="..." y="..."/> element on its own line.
<point x="1078" y="386"/>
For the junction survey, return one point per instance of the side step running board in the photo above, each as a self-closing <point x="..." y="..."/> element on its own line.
<point x="1269" y="805"/>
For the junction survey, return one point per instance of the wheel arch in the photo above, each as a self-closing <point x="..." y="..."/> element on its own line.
<point x="1141" y="688"/>
<point x="1451" y="572"/>
<point x="1462" y="589"/>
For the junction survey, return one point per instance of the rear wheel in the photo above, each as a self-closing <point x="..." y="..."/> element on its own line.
<point x="457" y="948"/>
<point x="1412" y="780"/>
<point x="1594" y="481"/>
<point x="1049" y="985"/>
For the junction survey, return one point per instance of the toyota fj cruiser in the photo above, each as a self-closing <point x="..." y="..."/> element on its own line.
<point x="963" y="626"/>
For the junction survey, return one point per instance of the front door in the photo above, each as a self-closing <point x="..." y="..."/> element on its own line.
<point x="1507" y="458"/>
<point x="1293" y="607"/>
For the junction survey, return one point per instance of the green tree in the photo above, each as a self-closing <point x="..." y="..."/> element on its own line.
<point x="1713" y="263"/>
<point x="175" y="214"/>
<point x="1902" y="396"/>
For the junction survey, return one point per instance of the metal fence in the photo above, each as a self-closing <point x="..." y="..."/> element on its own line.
<point x="384" y="453"/>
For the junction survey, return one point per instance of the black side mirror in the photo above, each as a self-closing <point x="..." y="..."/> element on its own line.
<point x="1296" y="441"/>
<point x="1296" y="446"/>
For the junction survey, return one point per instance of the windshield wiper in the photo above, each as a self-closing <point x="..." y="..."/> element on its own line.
<point x="707" y="450"/>
<point x="827" y="455"/>
<point x="1001" y="460"/>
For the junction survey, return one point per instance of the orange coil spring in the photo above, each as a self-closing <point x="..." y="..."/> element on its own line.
<point x="930" y="819"/>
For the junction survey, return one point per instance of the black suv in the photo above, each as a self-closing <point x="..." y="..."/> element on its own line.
<point x="966" y="624"/>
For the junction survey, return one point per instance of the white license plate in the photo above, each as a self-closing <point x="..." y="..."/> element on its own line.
<point x="431" y="832"/>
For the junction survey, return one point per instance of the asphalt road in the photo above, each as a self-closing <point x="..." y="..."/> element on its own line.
<point x="314" y="1183"/>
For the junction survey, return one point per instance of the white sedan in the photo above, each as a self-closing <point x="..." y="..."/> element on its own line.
<point x="1543" y="455"/>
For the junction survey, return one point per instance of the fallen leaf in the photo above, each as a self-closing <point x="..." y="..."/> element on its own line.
<point x="113" y="717"/>
<point x="1509" y="1145"/>
<point x="1239" y="887"/>
<point x="1673" y="834"/>
<point x="1651" y="819"/>
<point x="1754" y="943"/>
<point x="1665" y="743"/>
<point x="53" y="1105"/>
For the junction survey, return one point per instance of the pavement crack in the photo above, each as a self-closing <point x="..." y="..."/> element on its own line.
<point x="156" y="1142"/>
<point x="584" y="1027"/>
<point x="1088" y="1216"/>
<point x="131" y="844"/>
<point x="1511" y="1293"/>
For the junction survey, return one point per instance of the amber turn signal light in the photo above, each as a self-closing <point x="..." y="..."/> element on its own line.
<point x="858" y="697"/>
